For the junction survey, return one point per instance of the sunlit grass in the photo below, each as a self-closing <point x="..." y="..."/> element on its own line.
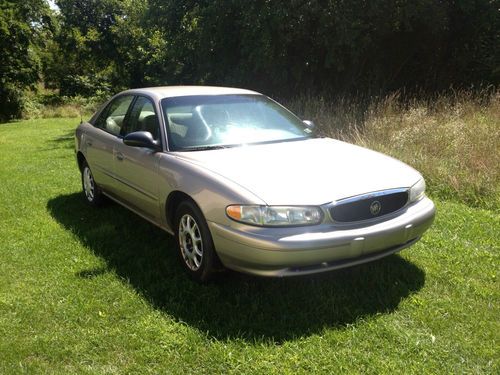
<point x="100" y="291"/>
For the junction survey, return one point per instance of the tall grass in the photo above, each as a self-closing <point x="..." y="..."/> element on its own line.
<point x="49" y="104"/>
<point x="453" y="139"/>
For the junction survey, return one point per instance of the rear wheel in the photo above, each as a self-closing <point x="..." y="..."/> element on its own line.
<point x="92" y="191"/>
<point x="196" y="248"/>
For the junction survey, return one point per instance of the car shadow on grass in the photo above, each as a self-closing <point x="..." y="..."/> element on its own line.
<point x="65" y="140"/>
<point x="235" y="305"/>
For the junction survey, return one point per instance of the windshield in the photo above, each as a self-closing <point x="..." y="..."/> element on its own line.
<point x="212" y="121"/>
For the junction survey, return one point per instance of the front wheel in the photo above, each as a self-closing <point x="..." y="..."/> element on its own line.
<point x="92" y="191"/>
<point x="196" y="248"/>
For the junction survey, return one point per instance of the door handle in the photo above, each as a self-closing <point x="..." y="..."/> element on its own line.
<point x="88" y="143"/>
<point x="119" y="156"/>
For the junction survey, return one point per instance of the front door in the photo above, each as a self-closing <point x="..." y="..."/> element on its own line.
<point x="136" y="168"/>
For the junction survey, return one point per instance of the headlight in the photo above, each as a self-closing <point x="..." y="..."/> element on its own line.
<point x="275" y="215"/>
<point x="417" y="191"/>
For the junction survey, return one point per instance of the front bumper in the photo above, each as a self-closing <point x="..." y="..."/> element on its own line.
<point x="306" y="250"/>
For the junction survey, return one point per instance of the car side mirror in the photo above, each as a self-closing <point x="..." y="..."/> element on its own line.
<point x="141" y="139"/>
<point x="310" y="124"/>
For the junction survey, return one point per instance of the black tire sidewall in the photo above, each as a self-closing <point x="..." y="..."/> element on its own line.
<point x="209" y="259"/>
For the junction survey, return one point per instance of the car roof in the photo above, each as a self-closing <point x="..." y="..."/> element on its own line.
<point x="162" y="92"/>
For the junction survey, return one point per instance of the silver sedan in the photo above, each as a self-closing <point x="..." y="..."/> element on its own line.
<point x="243" y="183"/>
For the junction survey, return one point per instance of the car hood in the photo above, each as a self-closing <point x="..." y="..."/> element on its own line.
<point x="305" y="172"/>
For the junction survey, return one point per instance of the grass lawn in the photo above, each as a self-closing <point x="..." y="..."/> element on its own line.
<point x="100" y="291"/>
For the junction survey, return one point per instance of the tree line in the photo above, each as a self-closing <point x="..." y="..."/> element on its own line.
<point x="328" y="47"/>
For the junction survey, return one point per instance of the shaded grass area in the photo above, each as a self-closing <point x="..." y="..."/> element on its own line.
<point x="236" y="306"/>
<point x="453" y="139"/>
<point x="101" y="291"/>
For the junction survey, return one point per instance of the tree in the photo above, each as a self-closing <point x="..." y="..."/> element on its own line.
<point x="99" y="45"/>
<point x="22" y="25"/>
<point x="332" y="47"/>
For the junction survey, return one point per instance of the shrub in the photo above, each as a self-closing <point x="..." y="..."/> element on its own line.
<point x="11" y="102"/>
<point x="48" y="104"/>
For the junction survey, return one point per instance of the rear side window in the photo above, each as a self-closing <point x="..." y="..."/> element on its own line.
<point x="142" y="117"/>
<point x="111" y="119"/>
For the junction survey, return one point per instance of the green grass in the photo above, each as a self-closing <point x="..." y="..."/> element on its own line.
<point x="100" y="291"/>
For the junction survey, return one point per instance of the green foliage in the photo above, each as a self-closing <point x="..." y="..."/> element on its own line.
<point x="97" y="46"/>
<point x="330" y="46"/>
<point x="327" y="47"/>
<point x="23" y="25"/>
<point x="11" y="101"/>
<point x="321" y="46"/>
<point x="47" y="104"/>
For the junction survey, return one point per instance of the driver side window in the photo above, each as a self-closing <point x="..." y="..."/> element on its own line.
<point x="142" y="117"/>
<point x="111" y="119"/>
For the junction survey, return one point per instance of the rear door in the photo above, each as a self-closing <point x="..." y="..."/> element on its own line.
<point x="136" y="168"/>
<point x="101" y="140"/>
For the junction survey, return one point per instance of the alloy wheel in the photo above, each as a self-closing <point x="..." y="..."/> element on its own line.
<point x="88" y="184"/>
<point x="190" y="242"/>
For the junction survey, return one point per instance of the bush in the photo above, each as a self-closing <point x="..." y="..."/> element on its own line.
<point x="49" y="105"/>
<point x="11" y="102"/>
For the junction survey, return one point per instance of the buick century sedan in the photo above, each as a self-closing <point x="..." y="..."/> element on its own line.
<point x="243" y="183"/>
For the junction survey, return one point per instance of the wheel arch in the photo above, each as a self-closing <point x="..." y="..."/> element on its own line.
<point x="80" y="158"/>
<point x="174" y="199"/>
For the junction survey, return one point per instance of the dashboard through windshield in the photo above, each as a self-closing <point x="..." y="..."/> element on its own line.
<point x="215" y="121"/>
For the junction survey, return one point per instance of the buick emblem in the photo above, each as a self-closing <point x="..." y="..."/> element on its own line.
<point x="375" y="208"/>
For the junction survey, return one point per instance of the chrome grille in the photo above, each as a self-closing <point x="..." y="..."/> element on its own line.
<point x="369" y="206"/>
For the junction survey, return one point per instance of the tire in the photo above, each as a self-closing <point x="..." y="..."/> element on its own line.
<point x="91" y="191"/>
<point x="194" y="241"/>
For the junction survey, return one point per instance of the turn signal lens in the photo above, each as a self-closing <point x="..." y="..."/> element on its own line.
<point x="417" y="191"/>
<point x="234" y="212"/>
<point x="275" y="215"/>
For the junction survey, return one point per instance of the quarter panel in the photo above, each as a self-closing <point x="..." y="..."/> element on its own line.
<point x="211" y="192"/>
